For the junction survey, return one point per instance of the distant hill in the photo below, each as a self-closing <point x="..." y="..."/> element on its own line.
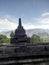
<point x="41" y="32"/>
<point x="43" y="35"/>
<point x="30" y="32"/>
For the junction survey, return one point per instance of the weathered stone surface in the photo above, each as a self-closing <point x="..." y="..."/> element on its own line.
<point x="20" y="35"/>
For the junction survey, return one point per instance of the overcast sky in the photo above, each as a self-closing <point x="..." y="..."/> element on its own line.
<point x="34" y="14"/>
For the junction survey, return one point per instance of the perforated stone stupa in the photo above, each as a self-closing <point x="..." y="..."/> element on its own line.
<point x="20" y="35"/>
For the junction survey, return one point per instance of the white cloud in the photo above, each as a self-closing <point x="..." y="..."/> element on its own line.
<point x="6" y="24"/>
<point x="45" y="14"/>
<point x="37" y="26"/>
<point x="44" y="20"/>
<point x="28" y="26"/>
<point x="43" y="26"/>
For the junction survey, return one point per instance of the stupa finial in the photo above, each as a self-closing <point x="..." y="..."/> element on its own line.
<point x="20" y="22"/>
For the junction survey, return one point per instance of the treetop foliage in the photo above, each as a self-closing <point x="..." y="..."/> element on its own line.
<point x="4" y="39"/>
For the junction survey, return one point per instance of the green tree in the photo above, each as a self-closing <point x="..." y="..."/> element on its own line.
<point x="12" y="34"/>
<point x="4" y="39"/>
<point x="35" y="38"/>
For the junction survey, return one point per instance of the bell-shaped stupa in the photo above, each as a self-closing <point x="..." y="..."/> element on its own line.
<point x="20" y="34"/>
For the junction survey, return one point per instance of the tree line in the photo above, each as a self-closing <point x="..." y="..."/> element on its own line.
<point x="34" y="38"/>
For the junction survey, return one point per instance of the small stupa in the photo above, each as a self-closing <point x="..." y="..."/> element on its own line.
<point x="20" y="35"/>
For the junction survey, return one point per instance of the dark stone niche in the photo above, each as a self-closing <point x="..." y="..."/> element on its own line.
<point x="20" y="35"/>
